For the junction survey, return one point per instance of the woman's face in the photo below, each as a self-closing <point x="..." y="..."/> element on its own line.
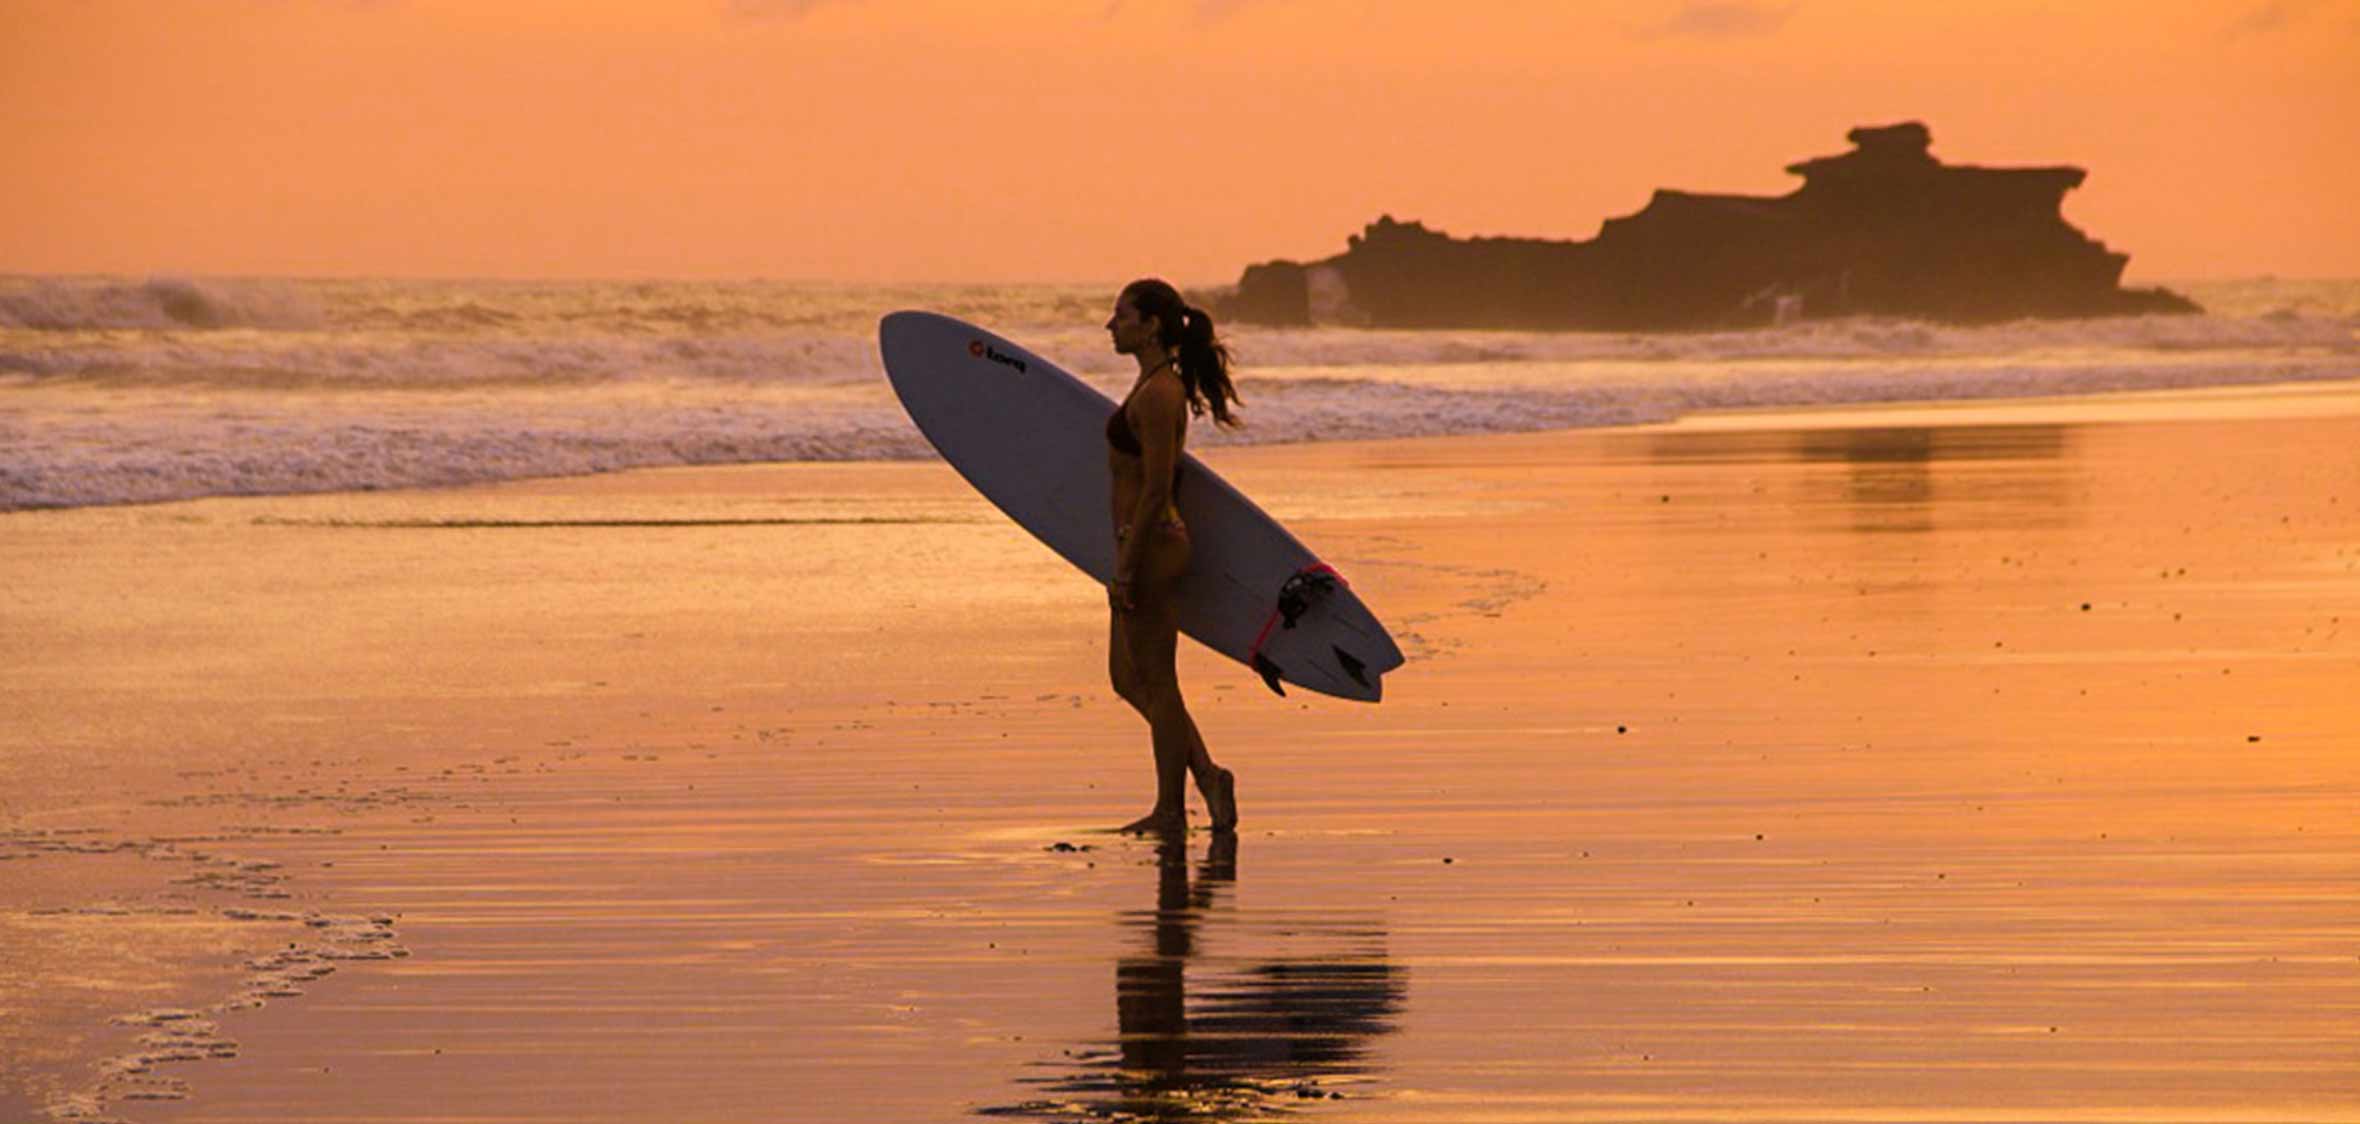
<point x="1133" y="335"/>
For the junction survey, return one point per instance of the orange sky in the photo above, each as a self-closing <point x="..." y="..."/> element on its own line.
<point x="1098" y="139"/>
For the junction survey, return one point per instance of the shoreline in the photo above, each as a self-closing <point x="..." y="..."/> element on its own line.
<point x="2000" y="398"/>
<point x="1794" y="751"/>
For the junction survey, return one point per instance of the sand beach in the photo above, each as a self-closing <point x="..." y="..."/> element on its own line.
<point x="1991" y="761"/>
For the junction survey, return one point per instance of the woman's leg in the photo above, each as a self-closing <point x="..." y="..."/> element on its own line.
<point x="1123" y="670"/>
<point x="1148" y="634"/>
<point x="1118" y="663"/>
<point x="1151" y="636"/>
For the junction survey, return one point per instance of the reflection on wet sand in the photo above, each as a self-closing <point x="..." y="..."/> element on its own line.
<point x="1899" y="478"/>
<point x="1261" y="1034"/>
<point x="1860" y="445"/>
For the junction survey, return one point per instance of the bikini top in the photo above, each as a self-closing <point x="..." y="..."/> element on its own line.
<point x="1119" y="435"/>
<point x="1118" y="424"/>
<point x="1122" y="440"/>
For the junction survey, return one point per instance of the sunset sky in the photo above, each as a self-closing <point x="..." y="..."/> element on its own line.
<point x="925" y="140"/>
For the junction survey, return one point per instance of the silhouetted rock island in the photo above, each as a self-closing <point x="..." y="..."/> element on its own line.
<point x="1885" y="229"/>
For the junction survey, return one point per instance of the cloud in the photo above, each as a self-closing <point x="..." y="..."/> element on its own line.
<point x="774" y="9"/>
<point x="2273" y="16"/>
<point x="347" y="5"/>
<point x="1210" y="11"/>
<point x="1721" y="19"/>
<point x="2264" y="18"/>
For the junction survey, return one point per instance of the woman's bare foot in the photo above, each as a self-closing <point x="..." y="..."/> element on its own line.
<point x="1221" y="800"/>
<point x="1157" y="823"/>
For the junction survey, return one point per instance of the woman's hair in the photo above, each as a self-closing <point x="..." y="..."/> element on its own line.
<point x="1204" y="360"/>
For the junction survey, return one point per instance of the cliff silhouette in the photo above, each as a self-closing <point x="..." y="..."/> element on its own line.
<point x="1885" y="229"/>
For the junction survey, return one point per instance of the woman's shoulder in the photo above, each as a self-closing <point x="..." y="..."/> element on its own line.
<point x="1161" y="393"/>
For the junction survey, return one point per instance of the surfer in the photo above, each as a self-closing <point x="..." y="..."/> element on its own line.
<point x="1183" y="371"/>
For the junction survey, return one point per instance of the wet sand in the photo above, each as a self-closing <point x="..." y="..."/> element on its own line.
<point x="1989" y="762"/>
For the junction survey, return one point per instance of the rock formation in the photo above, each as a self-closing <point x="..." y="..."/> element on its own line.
<point x="1883" y="230"/>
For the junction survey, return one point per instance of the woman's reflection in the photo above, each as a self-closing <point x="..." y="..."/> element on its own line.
<point x="1289" y="1009"/>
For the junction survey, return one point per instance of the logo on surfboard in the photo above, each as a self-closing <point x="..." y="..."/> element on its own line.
<point x="981" y="350"/>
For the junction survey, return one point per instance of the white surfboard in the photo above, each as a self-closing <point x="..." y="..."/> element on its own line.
<point x="1032" y="439"/>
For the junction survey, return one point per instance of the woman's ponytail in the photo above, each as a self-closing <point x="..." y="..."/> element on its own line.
<point x="1204" y="360"/>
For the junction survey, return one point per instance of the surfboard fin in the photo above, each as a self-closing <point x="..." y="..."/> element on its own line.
<point x="1352" y="665"/>
<point x="1269" y="672"/>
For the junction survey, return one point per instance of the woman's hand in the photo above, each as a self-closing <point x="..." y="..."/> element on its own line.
<point x="1118" y="595"/>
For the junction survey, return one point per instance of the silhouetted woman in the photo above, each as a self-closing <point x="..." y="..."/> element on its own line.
<point x="1183" y="371"/>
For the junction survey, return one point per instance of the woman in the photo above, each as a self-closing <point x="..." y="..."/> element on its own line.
<point x="1183" y="370"/>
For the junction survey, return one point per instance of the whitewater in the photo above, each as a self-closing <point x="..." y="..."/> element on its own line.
<point x="141" y="390"/>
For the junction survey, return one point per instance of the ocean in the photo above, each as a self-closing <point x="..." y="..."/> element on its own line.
<point x="140" y="390"/>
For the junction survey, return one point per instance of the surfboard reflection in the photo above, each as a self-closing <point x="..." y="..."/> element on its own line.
<point x="1251" y="1038"/>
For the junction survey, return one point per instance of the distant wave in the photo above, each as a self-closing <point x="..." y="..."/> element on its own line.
<point x="376" y="363"/>
<point x="156" y="304"/>
<point x="455" y="353"/>
<point x="1858" y="338"/>
<point x="542" y="308"/>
